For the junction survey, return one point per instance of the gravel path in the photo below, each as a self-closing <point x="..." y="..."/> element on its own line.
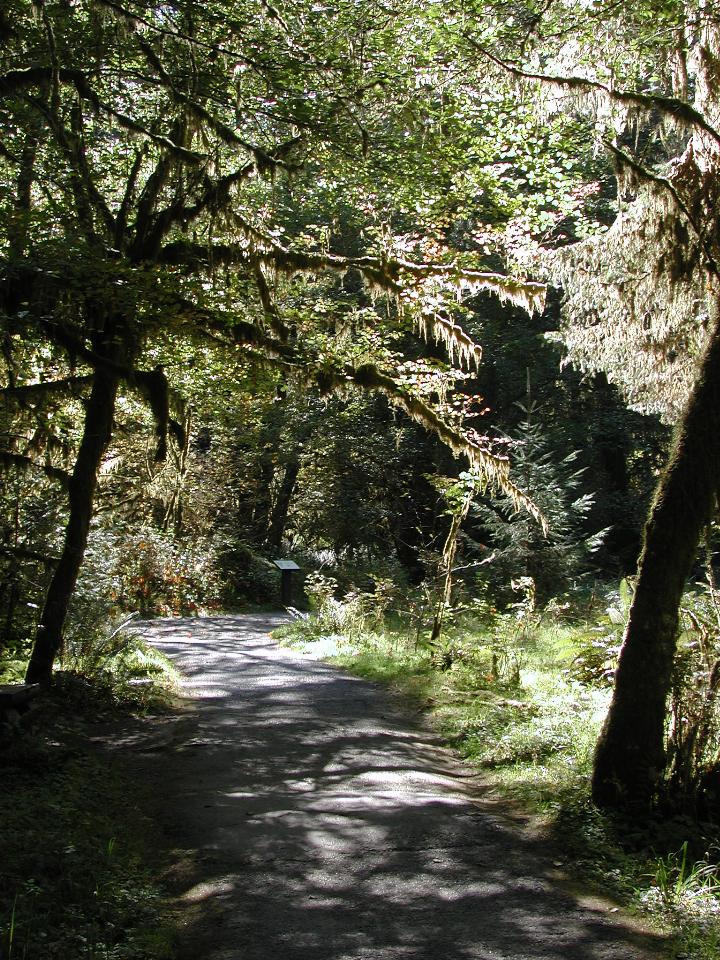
<point x="319" y="821"/>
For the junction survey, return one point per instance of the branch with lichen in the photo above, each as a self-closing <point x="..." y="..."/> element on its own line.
<point x="672" y="108"/>
<point x="452" y="336"/>
<point x="327" y="378"/>
<point x="494" y="469"/>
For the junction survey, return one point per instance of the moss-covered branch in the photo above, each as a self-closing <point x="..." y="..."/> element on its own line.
<point x="155" y="390"/>
<point x="672" y="108"/>
<point x="392" y="275"/>
<point x="494" y="469"/>
<point x="264" y="161"/>
<point x="15" y="81"/>
<point x="17" y="461"/>
<point x="30" y="392"/>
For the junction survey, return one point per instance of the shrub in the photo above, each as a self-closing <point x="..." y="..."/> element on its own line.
<point x="116" y="665"/>
<point x="160" y="577"/>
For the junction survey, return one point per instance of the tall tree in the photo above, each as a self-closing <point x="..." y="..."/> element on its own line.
<point x="142" y="142"/>
<point x="642" y="301"/>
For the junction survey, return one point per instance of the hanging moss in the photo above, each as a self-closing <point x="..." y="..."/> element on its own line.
<point x="584" y="93"/>
<point x="16" y="461"/>
<point x="494" y="469"/>
<point x="153" y="387"/>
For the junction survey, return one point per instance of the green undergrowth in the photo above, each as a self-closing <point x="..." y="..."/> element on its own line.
<point x="79" y="857"/>
<point x="76" y="882"/>
<point x="106" y="670"/>
<point x="518" y="704"/>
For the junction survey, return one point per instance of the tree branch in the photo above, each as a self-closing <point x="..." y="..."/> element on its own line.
<point x="216" y="195"/>
<point x="79" y="156"/>
<point x="47" y="558"/>
<point x="36" y="391"/>
<point x="678" y="110"/>
<point x="387" y="273"/>
<point x="16" y="80"/>
<point x="8" y="460"/>
<point x="133" y="19"/>
<point x="263" y="160"/>
<point x="122" y="214"/>
<point x="271" y="311"/>
<point x="493" y="468"/>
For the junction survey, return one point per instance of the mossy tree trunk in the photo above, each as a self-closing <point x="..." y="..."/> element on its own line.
<point x="630" y="754"/>
<point x="96" y="437"/>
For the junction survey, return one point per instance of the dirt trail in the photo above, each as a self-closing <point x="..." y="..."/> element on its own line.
<point x="321" y="821"/>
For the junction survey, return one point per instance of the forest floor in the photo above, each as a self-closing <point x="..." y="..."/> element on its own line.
<point x="311" y="815"/>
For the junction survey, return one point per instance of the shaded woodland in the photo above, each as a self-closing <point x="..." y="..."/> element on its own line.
<point x="423" y="297"/>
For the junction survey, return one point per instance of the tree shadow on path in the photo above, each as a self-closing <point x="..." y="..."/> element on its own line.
<point x="319" y="820"/>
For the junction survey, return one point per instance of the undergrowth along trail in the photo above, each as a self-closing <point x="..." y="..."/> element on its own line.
<point x="523" y="700"/>
<point x="81" y="860"/>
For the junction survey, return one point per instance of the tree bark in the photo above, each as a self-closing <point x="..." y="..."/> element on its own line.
<point x="96" y="437"/>
<point x="279" y="513"/>
<point x="630" y="754"/>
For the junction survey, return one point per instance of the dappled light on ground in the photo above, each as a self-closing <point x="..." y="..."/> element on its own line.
<point x="320" y="821"/>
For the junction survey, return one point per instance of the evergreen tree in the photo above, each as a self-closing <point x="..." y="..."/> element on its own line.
<point x="555" y="558"/>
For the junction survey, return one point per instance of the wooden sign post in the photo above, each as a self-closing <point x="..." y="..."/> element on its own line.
<point x="286" y="568"/>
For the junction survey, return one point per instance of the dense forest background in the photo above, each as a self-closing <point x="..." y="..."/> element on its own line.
<point x="413" y="294"/>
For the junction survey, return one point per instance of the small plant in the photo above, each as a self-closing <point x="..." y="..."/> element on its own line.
<point x="348" y="619"/>
<point x="685" y="894"/>
<point x="600" y="643"/>
<point x="694" y="728"/>
<point x="11" y="929"/>
<point x="678" y="878"/>
<point x="320" y="590"/>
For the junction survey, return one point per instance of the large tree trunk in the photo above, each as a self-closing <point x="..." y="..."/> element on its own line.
<point x="630" y="754"/>
<point x="96" y="437"/>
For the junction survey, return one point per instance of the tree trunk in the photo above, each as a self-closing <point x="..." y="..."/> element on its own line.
<point x="448" y="562"/>
<point x="630" y="754"/>
<point x="13" y="592"/>
<point x="96" y="437"/>
<point x="259" y="520"/>
<point x="17" y="231"/>
<point x="279" y="513"/>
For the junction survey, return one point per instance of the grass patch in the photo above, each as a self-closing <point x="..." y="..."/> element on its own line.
<point x="412" y="676"/>
<point x="75" y="880"/>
